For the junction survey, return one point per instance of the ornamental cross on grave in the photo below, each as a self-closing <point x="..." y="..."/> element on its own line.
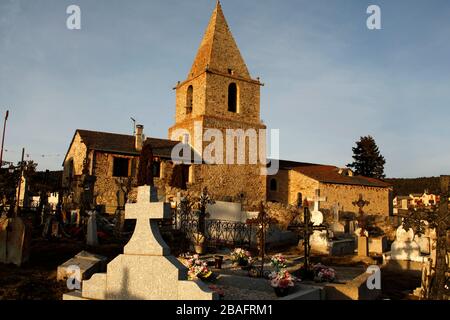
<point x="146" y="239"/>
<point x="306" y="229"/>
<point x="361" y="203"/>
<point x="262" y="222"/>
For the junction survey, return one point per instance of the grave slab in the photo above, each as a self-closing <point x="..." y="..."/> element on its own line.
<point x="353" y="290"/>
<point x="87" y="262"/>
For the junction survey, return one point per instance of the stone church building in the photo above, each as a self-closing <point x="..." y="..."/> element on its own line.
<point x="218" y="93"/>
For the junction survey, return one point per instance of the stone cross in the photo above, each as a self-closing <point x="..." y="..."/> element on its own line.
<point x="146" y="239"/>
<point x="361" y="203"/>
<point x="317" y="200"/>
<point x="336" y="209"/>
<point x="317" y="216"/>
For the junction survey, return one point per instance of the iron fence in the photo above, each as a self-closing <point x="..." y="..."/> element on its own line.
<point x="220" y="232"/>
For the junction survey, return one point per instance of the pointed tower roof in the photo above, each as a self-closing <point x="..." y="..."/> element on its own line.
<point x="218" y="50"/>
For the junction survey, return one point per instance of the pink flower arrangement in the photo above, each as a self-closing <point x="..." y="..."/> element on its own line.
<point x="323" y="273"/>
<point x="278" y="262"/>
<point x="241" y="256"/>
<point x="197" y="268"/>
<point x="282" y="279"/>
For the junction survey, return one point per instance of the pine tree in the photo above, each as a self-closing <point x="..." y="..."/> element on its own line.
<point x="368" y="161"/>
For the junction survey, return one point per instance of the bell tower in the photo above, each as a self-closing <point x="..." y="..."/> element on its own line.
<point x="219" y="93"/>
<point x="219" y="90"/>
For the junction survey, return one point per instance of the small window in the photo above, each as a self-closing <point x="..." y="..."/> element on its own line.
<point x="189" y="99"/>
<point x="156" y="168"/>
<point x="273" y="185"/>
<point x="299" y="200"/>
<point x="120" y="167"/>
<point x="232" y="98"/>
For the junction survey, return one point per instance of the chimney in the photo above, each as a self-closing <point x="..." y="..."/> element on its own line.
<point x="139" y="138"/>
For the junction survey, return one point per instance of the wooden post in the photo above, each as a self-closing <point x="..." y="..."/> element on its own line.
<point x="3" y="138"/>
<point x="441" y="243"/>
<point x="16" y="213"/>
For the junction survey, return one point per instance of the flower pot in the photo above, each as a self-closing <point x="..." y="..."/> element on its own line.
<point x="199" y="248"/>
<point x="218" y="262"/>
<point x="281" y="292"/>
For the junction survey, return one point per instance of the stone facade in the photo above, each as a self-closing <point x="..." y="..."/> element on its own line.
<point x="345" y="195"/>
<point x="100" y="166"/>
<point x="291" y="182"/>
<point x="106" y="185"/>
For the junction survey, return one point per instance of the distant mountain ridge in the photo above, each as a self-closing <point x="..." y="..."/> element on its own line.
<point x="405" y="187"/>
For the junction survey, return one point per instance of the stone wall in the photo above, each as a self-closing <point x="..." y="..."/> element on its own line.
<point x="106" y="185"/>
<point x="283" y="214"/>
<point x="379" y="198"/>
<point x="76" y="155"/>
<point x="290" y="183"/>
<point x="226" y="182"/>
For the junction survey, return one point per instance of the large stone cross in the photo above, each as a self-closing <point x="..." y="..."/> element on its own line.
<point x="317" y="216"/>
<point x="146" y="239"/>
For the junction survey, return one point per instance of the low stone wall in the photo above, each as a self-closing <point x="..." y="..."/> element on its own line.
<point x="354" y="290"/>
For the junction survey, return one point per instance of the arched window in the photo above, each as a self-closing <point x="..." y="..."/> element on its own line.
<point x="189" y="99"/>
<point x="273" y="185"/>
<point x="232" y="97"/>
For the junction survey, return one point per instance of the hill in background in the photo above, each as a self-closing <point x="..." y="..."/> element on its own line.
<point x="404" y="187"/>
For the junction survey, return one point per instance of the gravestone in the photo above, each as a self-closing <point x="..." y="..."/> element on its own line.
<point x="404" y="247"/>
<point x="146" y="270"/>
<point x="120" y="214"/>
<point x="319" y="238"/>
<point x="15" y="241"/>
<point x="362" y="233"/>
<point x="91" y="236"/>
<point x="336" y="227"/>
<point x="425" y="240"/>
<point x="363" y="246"/>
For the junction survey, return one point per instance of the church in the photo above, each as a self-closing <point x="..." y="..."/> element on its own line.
<point x="218" y="94"/>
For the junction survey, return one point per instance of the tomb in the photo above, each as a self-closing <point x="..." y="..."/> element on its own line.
<point x="405" y="248"/>
<point x="146" y="270"/>
<point x="87" y="263"/>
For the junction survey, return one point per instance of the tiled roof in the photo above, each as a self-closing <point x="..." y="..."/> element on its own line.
<point x="330" y="174"/>
<point x="124" y="144"/>
<point x="108" y="142"/>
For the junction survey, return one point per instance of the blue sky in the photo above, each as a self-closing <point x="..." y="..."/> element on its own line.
<point x="328" y="79"/>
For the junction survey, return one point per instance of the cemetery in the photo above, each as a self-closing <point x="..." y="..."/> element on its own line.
<point x="178" y="252"/>
<point x="128" y="219"/>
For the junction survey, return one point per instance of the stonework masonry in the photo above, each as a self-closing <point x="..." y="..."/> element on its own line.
<point x="291" y="182"/>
